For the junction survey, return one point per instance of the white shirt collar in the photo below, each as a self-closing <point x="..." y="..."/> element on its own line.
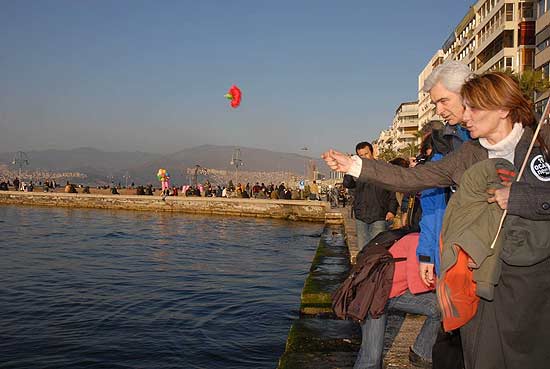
<point x="505" y="148"/>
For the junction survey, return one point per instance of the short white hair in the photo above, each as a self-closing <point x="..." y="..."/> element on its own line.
<point x="451" y="74"/>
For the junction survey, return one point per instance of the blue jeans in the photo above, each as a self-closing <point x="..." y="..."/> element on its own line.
<point x="367" y="231"/>
<point x="372" y="344"/>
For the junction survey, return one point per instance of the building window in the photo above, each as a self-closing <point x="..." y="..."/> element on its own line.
<point x="539" y="106"/>
<point x="541" y="7"/>
<point x="528" y="58"/>
<point x="509" y="62"/>
<point x="543" y="45"/>
<point x="526" y="10"/>
<point x="508" y="38"/>
<point x="499" y="65"/>
<point x="509" y="10"/>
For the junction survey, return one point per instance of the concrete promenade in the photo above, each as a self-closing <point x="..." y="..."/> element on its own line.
<point x="317" y="340"/>
<point x="312" y="211"/>
<point x="398" y="354"/>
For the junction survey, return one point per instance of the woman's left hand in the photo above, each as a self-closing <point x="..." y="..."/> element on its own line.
<point x="501" y="195"/>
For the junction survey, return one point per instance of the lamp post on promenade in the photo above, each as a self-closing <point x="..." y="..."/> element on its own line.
<point x="195" y="176"/>
<point x="305" y="149"/>
<point x="126" y="177"/>
<point x="21" y="158"/>
<point x="198" y="170"/>
<point x="237" y="162"/>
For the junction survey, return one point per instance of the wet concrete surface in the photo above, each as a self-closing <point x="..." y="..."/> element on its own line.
<point x="320" y="341"/>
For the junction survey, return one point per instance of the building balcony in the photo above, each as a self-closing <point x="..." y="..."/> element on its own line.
<point x="408" y="124"/>
<point x="406" y="136"/>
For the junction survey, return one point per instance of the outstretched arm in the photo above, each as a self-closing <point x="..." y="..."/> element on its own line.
<point x="396" y="178"/>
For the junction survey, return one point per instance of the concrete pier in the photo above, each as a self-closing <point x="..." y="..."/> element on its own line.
<point x="320" y="341"/>
<point x="311" y="211"/>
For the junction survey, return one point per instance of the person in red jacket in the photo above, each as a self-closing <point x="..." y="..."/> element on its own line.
<point x="410" y="295"/>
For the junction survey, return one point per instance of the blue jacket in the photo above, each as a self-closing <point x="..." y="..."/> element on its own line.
<point x="433" y="201"/>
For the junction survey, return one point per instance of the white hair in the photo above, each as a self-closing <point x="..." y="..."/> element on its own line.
<point x="451" y="74"/>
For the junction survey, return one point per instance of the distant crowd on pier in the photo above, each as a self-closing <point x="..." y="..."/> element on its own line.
<point x="337" y="195"/>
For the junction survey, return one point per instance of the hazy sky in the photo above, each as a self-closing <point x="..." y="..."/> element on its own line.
<point x="151" y="75"/>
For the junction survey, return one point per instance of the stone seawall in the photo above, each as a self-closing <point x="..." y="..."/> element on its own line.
<point x="313" y="211"/>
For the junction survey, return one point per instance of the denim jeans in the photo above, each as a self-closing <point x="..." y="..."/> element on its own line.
<point x="372" y="344"/>
<point x="367" y="231"/>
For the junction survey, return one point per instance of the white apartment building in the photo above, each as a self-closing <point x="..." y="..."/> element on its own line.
<point x="405" y="124"/>
<point x="386" y="139"/>
<point x="496" y="34"/>
<point x="426" y="110"/>
<point x="492" y="35"/>
<point x="542" y="50"/>
<point x="403" y="130"/>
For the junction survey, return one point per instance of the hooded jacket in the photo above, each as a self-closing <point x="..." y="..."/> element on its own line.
<point x="434" y="200"/>
<point x="471" y="223"/>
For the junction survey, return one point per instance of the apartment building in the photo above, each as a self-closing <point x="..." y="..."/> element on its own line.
<point x="386" y="139"/>
<point x="426" y="110"/>
<point x="494" y="35"/>
<point x="405" y="125"/>
<point x="542" y="50"/>
<point x="403" y="130"/>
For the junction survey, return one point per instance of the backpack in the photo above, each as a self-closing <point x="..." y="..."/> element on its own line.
<point x="368" y="286"/>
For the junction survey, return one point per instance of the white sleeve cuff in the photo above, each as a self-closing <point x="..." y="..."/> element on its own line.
<point x="356" y="165"/>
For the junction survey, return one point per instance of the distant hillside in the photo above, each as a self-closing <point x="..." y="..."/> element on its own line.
<point x="219" y="157"/>
<point x="89" y="158"/>
<point x="142" y="167"/>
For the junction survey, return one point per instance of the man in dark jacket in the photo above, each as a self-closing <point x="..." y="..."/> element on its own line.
<point x="372" y="205"/>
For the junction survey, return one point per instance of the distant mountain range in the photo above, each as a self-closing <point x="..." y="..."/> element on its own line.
<point x="100" y="166"/>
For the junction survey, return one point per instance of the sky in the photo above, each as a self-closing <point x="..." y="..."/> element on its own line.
<point x="133" y="75"/>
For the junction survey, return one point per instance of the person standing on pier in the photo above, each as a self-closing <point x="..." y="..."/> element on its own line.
<point x="511" y="329"/>
<point x="443" y="85"/>
<point x="373" y="206"/>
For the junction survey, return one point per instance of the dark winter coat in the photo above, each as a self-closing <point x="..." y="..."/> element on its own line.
<point x="370" y="203"/>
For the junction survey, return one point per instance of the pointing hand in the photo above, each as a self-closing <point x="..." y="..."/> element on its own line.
<point x="337" y="161"/>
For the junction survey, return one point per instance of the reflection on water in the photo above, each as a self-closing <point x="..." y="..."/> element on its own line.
<point x="103" y="289"/>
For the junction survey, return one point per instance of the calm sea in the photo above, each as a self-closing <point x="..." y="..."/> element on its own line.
<point x="106" y="289"/>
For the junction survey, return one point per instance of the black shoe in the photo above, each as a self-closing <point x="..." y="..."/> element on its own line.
<point x="417" y="361"/>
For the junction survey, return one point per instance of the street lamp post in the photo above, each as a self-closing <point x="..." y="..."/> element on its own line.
<point x="236" y="161"/>
<point x="126" y="177"/>
<point x="21" y="158"/>
<point x="198" y="170"/>
<point x="305" y="149"/>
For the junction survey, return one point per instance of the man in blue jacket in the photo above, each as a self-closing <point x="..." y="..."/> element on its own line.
<point x="443" y="85"/>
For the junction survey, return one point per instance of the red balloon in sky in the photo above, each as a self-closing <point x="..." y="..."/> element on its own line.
<point x="234" y="94"/>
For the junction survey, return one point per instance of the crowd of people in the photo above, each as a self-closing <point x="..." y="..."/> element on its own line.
<point x="483" y="234"/>
<point x="335" y="195"/>
<point x="18" y="185"/>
